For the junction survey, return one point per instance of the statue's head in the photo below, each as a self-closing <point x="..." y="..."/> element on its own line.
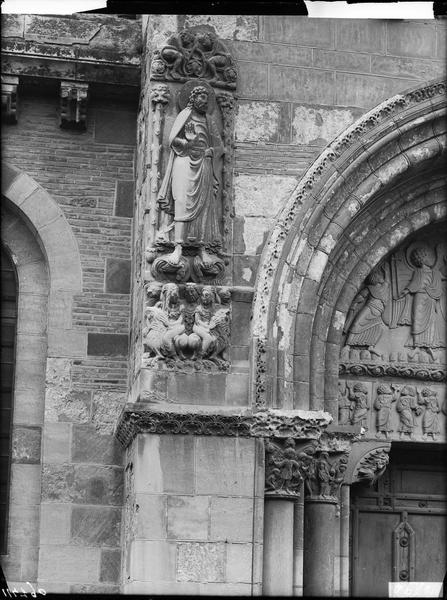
<point x="422" y="256"/>
<point x="384" y="388"/>
<point x="360" y="388"/>
<point x="191" y="292"/>
<point x="207" y="296"/>
<point x="198" y="99"/>
<point x="376" y="276"/>
<point x="170" y="293"/>
<point x="408" y="390"/>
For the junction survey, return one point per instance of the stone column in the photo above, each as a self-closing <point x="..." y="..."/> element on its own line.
<point x="344" y="539"/>
<point x="298" y="536"/>
<point x="278" y="547"/>
<point x="325" y="474"/>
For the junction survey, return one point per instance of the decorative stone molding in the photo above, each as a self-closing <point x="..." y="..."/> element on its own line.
<point x="269" y="424"/>
<point x="227" y="104"/>
<point x="194" y="54"/>
<point x="9" y="98"/>
<point x="422" y="372"/>
<point x="333" y="178"/>
<point x="74" y="96"/>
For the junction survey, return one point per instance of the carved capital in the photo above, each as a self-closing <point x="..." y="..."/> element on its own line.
<point x="325" y="474"/>
<point x="9" y="98"/>
<point x="286" y="467"/>
<point x="74" y="96"/>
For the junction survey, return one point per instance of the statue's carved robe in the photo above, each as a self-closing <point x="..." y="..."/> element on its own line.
<point x="190" y="188"/>
<point x="367" y="326"/>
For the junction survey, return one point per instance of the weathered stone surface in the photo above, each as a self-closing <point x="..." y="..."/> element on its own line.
<point x="84" y="484"/>
<point x="360" y="35"/>
<point x="367" y="90"/>
<point x="25" y="484"/>
<point x="196" y="388"/>
<point x="236" y="390"/>
<point x="253" y="80"/>
<point x="320" y="125"/>
<point x="231" y="519"/>
<point x="111" y="126"/>
<point x="111" y="590"/>
<point x="88" y="446"/>
<point x="291" y="84"/>
<point x="110" y="566"/>
<point x="307" y="32"/>
<point x="65" y="30"/>
<point x="151" y="517"/>
<point x="188" y="517"/>
<point x="341" y="61"/>
<point x="239" y="563"/>
<point x="95" y="526"/>
<point x="107" y="344"/>
<point x="72" y="406"/>
<point x="56" y="443"/>
<point x="232" y="458"/>
<point x="278" y="54"/>
<point x="23" y="521"/>
<point x="73" y="564"/>
<point x="202" y="562"/>
<point x="26" y="444"/>
<point x="407" y="67"/>
<point x="152" y="560"/>
<point x="55" y="523"/>
<point x="232" y="27"/>
<point x="241" y="320"/>
<point x="13" y="25"/>
<point x="106" y="408"/>
<point x="245" y="269"/>
<point x="263" y="122"/>
<point x="117" y="276"/>
<point x="251" y="199"/>
<point x="124" y="198"/>
<point x="411" y="39"/>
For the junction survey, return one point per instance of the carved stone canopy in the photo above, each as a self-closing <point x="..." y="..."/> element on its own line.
<point x="73" y="96"/>
<point x="190" y="54"/>
<point x="9" y="98"/>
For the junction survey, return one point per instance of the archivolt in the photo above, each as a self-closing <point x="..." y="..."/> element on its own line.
<point x="374" y="185"/>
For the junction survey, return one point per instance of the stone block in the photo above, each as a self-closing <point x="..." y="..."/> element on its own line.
<point x="110" y="590"/>
<point x="106" y="409"/>
<point x="124" y="198"/>
<point x="29" y="405"/>
<point x="23" y="521"/>
<point x="90" y="447"/>
<point x="164" y="464"/>
<point x="56" y="443"/>
<point x="25" y="484"/>
<point x="196" y="388"/>
<point x="67" y="342"/>
<point x="224" y="466"/>
<point x="40" y="208"/>
<point x="441" y="44"/>
<point x="188" y="517"/>
<point x="245" y="270"/>
<point x="200" y="562"/>
<point x="407" y="67"/>
<point x="366" y="91"/>
<point x="227" y="589"/>
<point x="255" y="233"/>
<point x="411" y="39"/>
<point x="290" y="84"/>
<point x="30" y="562"/>
<point x="12" y="562"/>
<point x="68" y="563"/>
<point x="110" y="566"/>
<point x="152" y="561"/>
<point x="153" y="385"/>
<point x="341" y="61"/>
<point x="28" y="347"/>
<point x="251" y="199"/>
<point x="26" y="443"/>
<point x="236" y="391"/>
<point x="60" y="309"/>
<point x="231" y="519"/>
<point x="163" y="588"/>
<point x="253" y="80"/>
<point x="62" y="405"/>
<point x="287" y="29"/>
<point x="360" y="35"/>
<point x="239" y="563"/>
<point x="32" y="304"/>
<point x="45" y="28"/>
<point x="320" y="125"/>
<point x="240" y="325"/>
<point x="278" y="54"/>
<point x="263" y="122"/>
<point x="107" y="344"/>
<point x="117" y="276"/>
<point x="13" y="25"/>
<point x="233" y="27"/>
<point x="95" y="526"/>
<point x="115" y="127"/>
<point x="151" y="517"/>
<point x="55" y="523"/>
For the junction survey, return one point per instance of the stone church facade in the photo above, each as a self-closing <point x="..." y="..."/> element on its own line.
<point x="224" y="309"/>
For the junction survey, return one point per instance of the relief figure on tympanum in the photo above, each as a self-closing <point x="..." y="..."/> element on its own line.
<point x="386" y="394"/>
<point x="430" y="420"/>
<point x="407" y="408"/>
<point x="190" y="193"/>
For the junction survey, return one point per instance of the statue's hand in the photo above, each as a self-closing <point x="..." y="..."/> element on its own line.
<point x="209" y="152"/>
<point x="190" y="131"/>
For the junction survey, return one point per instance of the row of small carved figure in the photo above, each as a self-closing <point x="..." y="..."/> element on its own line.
<point x="195" y="327"/>
<point x="353" y="407"/>
<point x="419" y="356"/>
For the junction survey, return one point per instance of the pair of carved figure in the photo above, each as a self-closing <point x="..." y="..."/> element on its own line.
<point x="407" y="290"/>
<point x="195" y="328"/>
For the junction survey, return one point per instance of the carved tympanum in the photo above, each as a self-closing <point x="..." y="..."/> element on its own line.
<point x="194" y="328"/>
<point x="191" y="54"/>
<point x="397" y="322"/>
<point x="188" y="245"/>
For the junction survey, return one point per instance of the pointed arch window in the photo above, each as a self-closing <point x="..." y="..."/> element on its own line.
<point x="8" y="327"/>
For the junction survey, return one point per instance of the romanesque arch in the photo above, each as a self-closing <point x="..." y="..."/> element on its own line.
<point x="371" y="188"/>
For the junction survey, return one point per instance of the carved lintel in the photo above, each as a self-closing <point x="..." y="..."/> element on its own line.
<point x="136" y="418"/>
<point x="74" y="97"/>
<point x="9" y="98"/>
<point x="194" y="54"/>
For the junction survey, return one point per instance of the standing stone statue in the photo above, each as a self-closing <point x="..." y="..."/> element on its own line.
<point x="191" y="185"/>
<point x="430" y="420"/>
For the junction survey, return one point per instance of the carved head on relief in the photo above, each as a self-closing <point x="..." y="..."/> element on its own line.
<point x="198" y="99"/>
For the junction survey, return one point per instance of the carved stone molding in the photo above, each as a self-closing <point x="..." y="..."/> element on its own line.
<point x="73" y="107"/>
<point x="368" y="460"/>
<point x="423" y="372"/>
<point x="9" y="98"/>
<point x="297" y="425"/>
<point x="189" y="54"/>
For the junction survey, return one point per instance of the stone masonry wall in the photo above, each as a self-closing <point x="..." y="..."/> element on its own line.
<point x="90" y="176"/>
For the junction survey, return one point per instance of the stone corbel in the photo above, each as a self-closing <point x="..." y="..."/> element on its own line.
<point x="9" y="98"/>
<point x="367" y="461"/>
<point x="74" y="96"/>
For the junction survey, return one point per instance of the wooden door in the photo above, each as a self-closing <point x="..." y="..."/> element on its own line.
<point x="398" y="527"/>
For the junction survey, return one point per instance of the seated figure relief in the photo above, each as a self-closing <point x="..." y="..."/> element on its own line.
<point x="195" y="328"/>
<point x="400" y="314"/>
